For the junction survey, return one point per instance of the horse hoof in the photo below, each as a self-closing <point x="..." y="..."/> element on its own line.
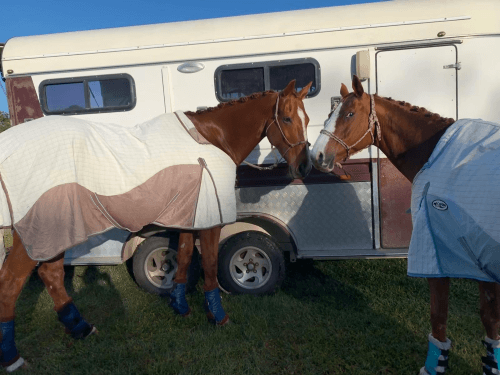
<point x="223" y="322"/>
<point x="182" y="315"/>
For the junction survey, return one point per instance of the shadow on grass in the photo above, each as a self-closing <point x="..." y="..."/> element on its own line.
<point x="92" y="291"/>
<point x="363" y="334"/>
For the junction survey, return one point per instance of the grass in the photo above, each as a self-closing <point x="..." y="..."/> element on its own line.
<point x="331" y="317"/>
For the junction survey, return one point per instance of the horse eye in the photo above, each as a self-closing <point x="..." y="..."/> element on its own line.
<point x="350" y="114"/>
<point x="287" y="119"/>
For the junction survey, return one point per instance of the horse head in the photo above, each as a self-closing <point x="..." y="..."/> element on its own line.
<point x="288" y="130"/>
<point x="347" y="129"/>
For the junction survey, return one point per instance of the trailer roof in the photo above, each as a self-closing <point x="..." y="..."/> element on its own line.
<point x="388" y="22"/>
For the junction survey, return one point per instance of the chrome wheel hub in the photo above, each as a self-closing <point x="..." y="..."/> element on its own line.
<point x="161" y="266"/>
<point x="250" y="267"/>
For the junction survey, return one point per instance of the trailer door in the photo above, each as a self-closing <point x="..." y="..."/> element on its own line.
<point x="425" y="76"/>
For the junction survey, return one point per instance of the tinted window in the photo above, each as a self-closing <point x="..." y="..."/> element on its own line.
<point x="87" y="94"/>
<point x="281" y="75"/>
<point x="241" y="82"/>
<point x="238" y="80"/>
<point x="66" y="96"/>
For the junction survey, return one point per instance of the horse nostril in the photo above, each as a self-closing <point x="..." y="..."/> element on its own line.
<point x="320" y="157"/>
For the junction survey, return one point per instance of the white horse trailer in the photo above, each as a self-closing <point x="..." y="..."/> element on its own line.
<point x="440" y="55"/>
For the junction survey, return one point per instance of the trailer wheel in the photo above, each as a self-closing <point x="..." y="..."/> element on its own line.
<point x="251" y="263"/>
<point x="155" y="265"/>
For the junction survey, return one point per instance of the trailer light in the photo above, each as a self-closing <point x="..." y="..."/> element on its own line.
<point x="190" y="67"/>
<point x="441" y="34"/>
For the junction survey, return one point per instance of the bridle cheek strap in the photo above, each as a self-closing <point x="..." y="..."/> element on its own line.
<point x="373" y="125"/>
<point x="290" y="145"/>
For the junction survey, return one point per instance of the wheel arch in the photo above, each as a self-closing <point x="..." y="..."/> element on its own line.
<point x="267" y="224"/>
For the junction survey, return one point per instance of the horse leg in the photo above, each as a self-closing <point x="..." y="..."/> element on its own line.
<point x="13" y="274"/>
<point x="209" y="241"/>
<point x="489" y="296"/>
<point x="184" y="254"/>
<point x="439" y="345"/>
<point x="52" y="275"/>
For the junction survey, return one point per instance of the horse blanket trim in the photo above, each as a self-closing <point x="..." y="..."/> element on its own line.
<point x="456" y="206"/>
<point x="67" y="179"/>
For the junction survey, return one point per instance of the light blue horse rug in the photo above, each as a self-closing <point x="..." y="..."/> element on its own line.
<point x="456" y="206"/>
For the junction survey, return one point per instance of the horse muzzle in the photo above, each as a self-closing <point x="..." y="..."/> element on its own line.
<point x="322" y="162"/>
<point x="302" y="170"/>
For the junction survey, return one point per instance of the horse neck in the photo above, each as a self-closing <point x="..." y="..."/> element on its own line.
<point x="409" y="134"/>
<point x="236" y="127"/>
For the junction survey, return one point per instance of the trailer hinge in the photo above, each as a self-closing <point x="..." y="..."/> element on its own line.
<point x="456" y="66"/>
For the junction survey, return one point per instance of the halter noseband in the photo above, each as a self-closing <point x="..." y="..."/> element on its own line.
<point x="290" y="145"/>
<point x="373" y="124"/>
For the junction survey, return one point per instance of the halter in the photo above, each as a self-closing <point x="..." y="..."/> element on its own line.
<point x="373" y="123"/>
<point x="290" y="145"/>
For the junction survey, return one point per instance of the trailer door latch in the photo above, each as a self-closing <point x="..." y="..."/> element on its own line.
<point x="456" y="66"/>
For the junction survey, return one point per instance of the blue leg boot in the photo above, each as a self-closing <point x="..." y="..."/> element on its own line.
<point x="75" y="325"/>
<point x="178" y="300"/>
<point x="9" y="357"/>
<point x="490" y="362"/>
<point x="213" y="308"/>
<point x="437" y="357"/>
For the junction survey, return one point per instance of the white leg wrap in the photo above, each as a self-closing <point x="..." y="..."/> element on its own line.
<point x="13" y="367"/>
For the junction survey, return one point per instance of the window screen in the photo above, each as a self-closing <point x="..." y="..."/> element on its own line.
<point x="88" y="94"/>
<point x="238" y="80"/>
<point x="281" y="75"/>
<point x="241" y="82"/>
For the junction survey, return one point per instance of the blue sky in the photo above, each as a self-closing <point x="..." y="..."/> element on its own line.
<point x="35" y="17"/>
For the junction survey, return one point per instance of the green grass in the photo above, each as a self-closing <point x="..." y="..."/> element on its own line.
<point x="335" y="317"/>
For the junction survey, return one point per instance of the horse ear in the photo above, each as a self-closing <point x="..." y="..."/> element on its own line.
<point x="343" y="91"/>
<point x="305" y="90"/>
<point x="357" y="86"/>
<point x="289" y="89"/>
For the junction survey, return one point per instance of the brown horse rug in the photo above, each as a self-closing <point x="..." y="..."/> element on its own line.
<point x="65" y="180"/>
<point x="456" y="206"/>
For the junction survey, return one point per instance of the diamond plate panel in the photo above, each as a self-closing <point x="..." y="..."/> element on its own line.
<point x="321" y="217"/>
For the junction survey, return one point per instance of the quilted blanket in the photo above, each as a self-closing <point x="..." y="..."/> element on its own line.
<point x="65" y="180"/>
<point x="456" y="206"/>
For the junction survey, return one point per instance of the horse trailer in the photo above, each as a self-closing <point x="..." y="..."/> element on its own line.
<point x="439" y="55"/>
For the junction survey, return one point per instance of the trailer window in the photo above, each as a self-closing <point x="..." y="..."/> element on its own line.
<point x="88" y="94"/>
<point x="238" y="80"/>
<point x="241" y="82"/>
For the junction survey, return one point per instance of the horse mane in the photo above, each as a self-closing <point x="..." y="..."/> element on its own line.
<point x="243" y="99"/>
<point x="420" y="110"/>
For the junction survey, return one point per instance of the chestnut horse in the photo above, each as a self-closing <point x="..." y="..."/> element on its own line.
<point x="236" y="128"/>
<point x="407" y="135"/>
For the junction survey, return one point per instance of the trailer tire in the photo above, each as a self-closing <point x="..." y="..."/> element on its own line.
<point x="149" y="259"/>
<point x="251" y="263"/>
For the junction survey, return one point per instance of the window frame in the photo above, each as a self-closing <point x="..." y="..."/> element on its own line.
<point x="267" y="80"/>
<point x="85" y="80"/>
